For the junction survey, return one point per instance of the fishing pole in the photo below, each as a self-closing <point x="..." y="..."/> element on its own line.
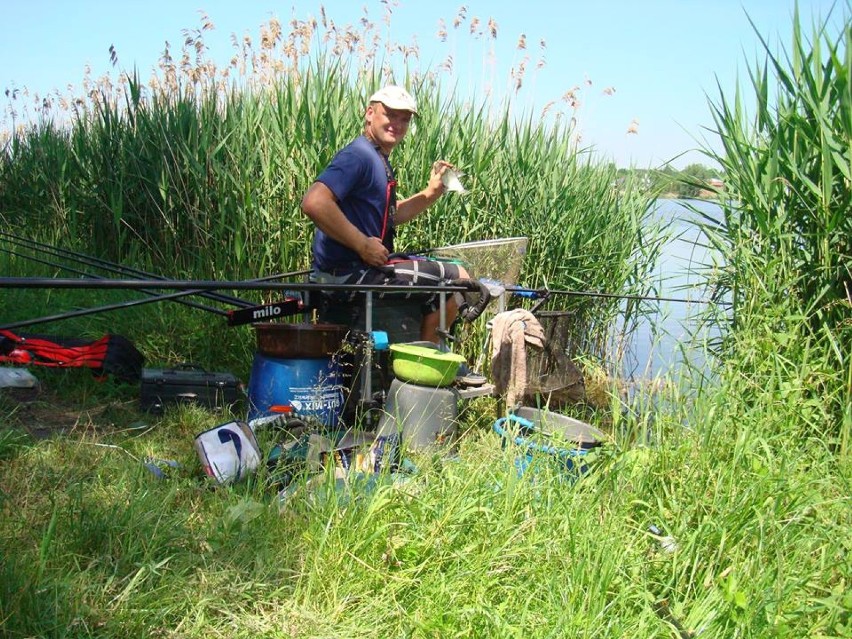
<point x="544" y="292"/>
<point x="265" y="284"/>
<point x="70" y="269"/>
<point x="211" y="294"/>
<point x="235" y="318"/>
<point x="290" y="305"/>
<point x="102" y="309"/>
<point x="261" y="284"/>
<point x="248" y="313"/>
<point x="112" y="267"/>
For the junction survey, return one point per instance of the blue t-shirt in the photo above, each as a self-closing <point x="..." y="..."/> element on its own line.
<point x="359" y="177"/>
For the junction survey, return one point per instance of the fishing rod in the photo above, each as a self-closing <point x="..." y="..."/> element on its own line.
<point x="290" y="306"/>
<point x="264" y="284"/>
<point x="248" y="312"/>
<point x="244" y="315"/>
<point x="243" y="303"/>
<point x="543" y="293"/>
<point x="261" y="284"/>
<point x="102" y="309"/>
<point x="209" y="293"/>
<point x="112" y="267"/>
<point x="64" y="267"/>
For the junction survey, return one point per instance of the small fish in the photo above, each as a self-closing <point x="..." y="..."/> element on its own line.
<point x="451" y="180"/>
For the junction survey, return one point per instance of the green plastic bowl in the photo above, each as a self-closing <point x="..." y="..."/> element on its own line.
<point x="423" y="365"/>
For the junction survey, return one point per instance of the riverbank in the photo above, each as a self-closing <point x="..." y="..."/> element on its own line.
<point x="733" y="522"/>
<point x="709" y="196"/>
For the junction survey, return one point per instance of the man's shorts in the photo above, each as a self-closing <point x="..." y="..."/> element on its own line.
<point x="402" y="273"/>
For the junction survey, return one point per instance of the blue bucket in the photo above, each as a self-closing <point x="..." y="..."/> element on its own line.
<point x="310" y="389"/>
<point x="541" y="433"/>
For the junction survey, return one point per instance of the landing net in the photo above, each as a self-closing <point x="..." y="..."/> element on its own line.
<point x="500" y="260"/>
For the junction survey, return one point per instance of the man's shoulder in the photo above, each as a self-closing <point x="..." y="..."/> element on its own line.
<point x="357" y="152"/>
<point x="353" y="166"/>
<point x="360" y="145"/>
<point x="360" y="156"/>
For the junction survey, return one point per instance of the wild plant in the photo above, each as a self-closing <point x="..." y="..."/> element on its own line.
<point x="199" y="172"/>
<point x="786" y="233"/>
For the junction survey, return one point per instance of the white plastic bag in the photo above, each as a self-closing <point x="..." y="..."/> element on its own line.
<point x="17" y="378"/>
<point x="228" y="451"/>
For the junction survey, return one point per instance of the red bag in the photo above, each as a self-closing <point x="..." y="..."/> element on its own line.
<point x="109" y="355"/>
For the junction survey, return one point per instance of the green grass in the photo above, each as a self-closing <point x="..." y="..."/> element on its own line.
<point x="785" y="235"/>
<point x="96" y="546"/>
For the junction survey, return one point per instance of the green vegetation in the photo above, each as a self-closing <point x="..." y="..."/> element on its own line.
<point x="200" y="172"/>
<point x="747" y="469"/>
<point x="694" y="181"/>
<point x="786" y="234"/>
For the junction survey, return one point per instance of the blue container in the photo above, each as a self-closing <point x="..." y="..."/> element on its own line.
<point x="310" y="389"/>
<point x="537" y="432"/>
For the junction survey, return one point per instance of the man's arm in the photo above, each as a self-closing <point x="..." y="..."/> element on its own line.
<point x="411" y="207"/>
<point x="321" y="206"/>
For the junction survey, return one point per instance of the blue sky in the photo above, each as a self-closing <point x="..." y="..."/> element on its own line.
<point x="648" y="65"/>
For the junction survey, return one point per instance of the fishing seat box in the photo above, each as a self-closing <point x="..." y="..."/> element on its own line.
<point x="187" y="383"/>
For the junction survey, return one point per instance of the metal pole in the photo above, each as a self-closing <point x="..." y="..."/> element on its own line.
<point x="442" y="318"/>
<point x="368" y="356"/>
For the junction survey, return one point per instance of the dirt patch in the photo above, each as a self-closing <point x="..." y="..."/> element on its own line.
<point x="43" y="414"/>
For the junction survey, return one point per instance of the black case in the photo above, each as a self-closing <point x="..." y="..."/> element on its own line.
<point x="187" y="383"/>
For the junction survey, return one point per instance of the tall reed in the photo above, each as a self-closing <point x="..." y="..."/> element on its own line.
<point x="200" y="172"/>
<point x="786" y="234"/>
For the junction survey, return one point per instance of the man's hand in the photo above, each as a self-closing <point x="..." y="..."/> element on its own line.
<point x="373" y="252"/>
<point x="320" y="205"/>
<point x="436" y="187"/>
<point x="411" y="207"/>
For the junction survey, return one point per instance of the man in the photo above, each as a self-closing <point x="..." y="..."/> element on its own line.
<point x="353" y="205"/>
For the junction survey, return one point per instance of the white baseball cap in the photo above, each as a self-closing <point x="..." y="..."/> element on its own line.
<point x="394" y="97"/>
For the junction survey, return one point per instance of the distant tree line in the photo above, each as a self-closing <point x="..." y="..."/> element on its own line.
<point x="694" y="181"/>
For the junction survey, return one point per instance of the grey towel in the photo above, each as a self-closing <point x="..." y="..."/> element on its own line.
<point x="512" y="331"/>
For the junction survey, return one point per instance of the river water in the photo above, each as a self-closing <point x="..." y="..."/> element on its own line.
<point x="666" y="337"/>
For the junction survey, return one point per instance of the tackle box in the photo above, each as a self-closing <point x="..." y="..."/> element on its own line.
<point x="187" y="383"/>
